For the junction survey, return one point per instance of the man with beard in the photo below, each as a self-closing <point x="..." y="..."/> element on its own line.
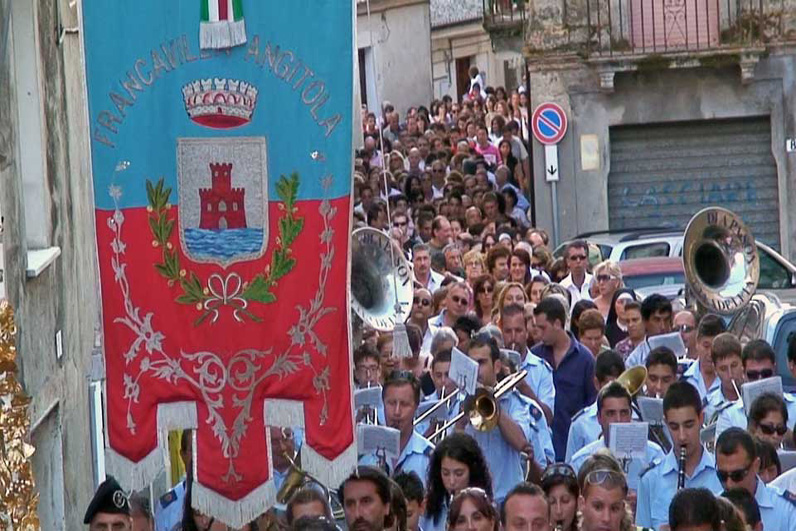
<point x="401" y="396"/>
<point x="365" y="497"/>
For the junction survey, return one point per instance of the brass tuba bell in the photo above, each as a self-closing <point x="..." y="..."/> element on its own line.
<point x="720" y="260"/>
<point x="381" y="281"/>
<point x="633" y="379"/>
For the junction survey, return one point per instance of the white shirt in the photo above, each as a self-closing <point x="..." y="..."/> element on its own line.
<point x="577" y="294"/>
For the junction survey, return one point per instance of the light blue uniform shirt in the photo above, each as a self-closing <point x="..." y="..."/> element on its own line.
<point x="659" y="484"/>
<point x="505" y="463"/>
<point x="583" y="430"/>
<point x="168" y="511"/>
<point x="734" y="415"/>
<point x="694" y="376"/>
<point x="415" y="457"/>
<point x="777" y="508"/>
<point x="540" y="378"/>
<point x="427" y="524"/>
<point x="434" y="397"/>
<point x="716" y="402"/>
<point x="634" y="467"/>
<point x="539" y="434"/>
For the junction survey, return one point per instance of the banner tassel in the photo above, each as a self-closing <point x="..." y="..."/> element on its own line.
<point x="400" y="342"/>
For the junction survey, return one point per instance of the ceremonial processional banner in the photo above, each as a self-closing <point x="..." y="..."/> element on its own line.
<point x="221" y="151"/>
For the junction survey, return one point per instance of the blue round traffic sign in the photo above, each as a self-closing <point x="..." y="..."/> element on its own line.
<point x="549" y="123"/>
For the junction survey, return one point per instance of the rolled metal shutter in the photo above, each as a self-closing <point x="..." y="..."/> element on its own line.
<point x="662" y="174"/>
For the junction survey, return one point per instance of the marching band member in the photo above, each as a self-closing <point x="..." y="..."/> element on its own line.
<point x="737" y="465"/>
<point x="614" y="406"/>
<point x="604" y="490"/>
<point x="503" y="445"/>
<point x="538" y="384"/>
<point x="367" y="373"/>
<point x="584" y="428"/>
<point x="702" y="373"/>
<point x="759" y="361"/>
<point x="560" y="484"/>
<point x="456" y="463"/>
<point x="726" y="355"/>
<point x="695" y="509"/>
<point x="682" y="410"/>
<point x="401" y="396"/>
<point x="661" y="372"/>
<point x="444" y="388"/>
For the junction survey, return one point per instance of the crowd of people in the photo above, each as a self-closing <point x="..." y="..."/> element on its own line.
<point x="449" y="184"/>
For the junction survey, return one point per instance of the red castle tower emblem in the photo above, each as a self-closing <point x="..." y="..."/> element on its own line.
<point x="222" y="206"/>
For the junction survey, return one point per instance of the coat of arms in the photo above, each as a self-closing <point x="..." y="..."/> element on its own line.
<point x="223" y="193"/>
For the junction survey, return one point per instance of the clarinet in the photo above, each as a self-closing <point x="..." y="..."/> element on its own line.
<point x="681" y="469"/>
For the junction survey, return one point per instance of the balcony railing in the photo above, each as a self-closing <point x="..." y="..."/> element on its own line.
<point x="505" y="15"/>
<point x="645" y="27"/>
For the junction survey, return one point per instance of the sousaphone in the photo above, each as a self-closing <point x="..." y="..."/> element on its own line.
<point x="720" y="259"/>
<point x="381" y="281"/>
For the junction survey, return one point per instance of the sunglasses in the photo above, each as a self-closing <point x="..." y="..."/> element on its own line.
<point x="757" y="375"/>
<point x="422" y="302"/>
<point x="459" y="300"/>
<point x="486" y="289"/>
<point x="558" y="470"/>
<point x="685" y="329"/>
<point x="610" y="479"/>
<point x="470" y="491"/>
<point x="771" y="429"/>
<point x="735" y="475"/>
<point x="604" y="278"/>
<point x="577" y="257"/>
<point x="399" y="224"/>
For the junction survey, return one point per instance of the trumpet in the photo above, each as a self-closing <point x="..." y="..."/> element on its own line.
<point x="482" y="409"/>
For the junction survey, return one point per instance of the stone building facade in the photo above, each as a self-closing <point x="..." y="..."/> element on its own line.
<point x="672" y="106"/>
<point x="48" y="243"/>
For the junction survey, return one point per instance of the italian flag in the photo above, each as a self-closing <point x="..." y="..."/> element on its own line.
<point x="222" y="24"/>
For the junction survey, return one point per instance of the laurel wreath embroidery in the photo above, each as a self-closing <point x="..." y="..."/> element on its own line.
<point x="234" y="293"/>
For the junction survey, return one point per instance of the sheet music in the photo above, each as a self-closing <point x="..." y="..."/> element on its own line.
<point x="381" y="439"/>
<point x="752" y="390"/>
<point x="651" y="409"/>
<point x="441" y="413"/>
<point x="787" y="458"/>
<point x="629" y="440"/>
<point x="512" y="356"/>
<point x="463" y="371"/>
<point x="707" y="435"/>
<point x="367" y="397"/>
<point x="673" y="341"/>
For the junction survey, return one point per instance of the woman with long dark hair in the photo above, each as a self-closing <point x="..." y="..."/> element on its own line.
<point x="457" y="463"/>
<point x="560" y="485"/>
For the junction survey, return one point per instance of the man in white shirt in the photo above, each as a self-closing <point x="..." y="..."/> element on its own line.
<point x="579" y="280"/>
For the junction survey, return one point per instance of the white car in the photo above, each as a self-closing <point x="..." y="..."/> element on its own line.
<point x="777" y="274"/>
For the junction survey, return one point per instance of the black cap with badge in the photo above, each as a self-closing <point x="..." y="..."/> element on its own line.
<point x="109" y="498"/>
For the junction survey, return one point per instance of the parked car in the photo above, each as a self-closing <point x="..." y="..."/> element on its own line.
<point x="641" y="273"/>
<point x="777" y="274"/>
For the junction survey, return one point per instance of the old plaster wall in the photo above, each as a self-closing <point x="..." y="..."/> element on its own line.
<point x="657" y="96"/>
<point x="399" y="35"/>
<point x="63" y="297"/>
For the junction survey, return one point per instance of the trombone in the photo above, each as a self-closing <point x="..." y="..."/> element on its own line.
<point x="483" y="408"/>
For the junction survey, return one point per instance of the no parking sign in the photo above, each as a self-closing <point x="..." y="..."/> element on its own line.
<point x="549" y="123"/>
